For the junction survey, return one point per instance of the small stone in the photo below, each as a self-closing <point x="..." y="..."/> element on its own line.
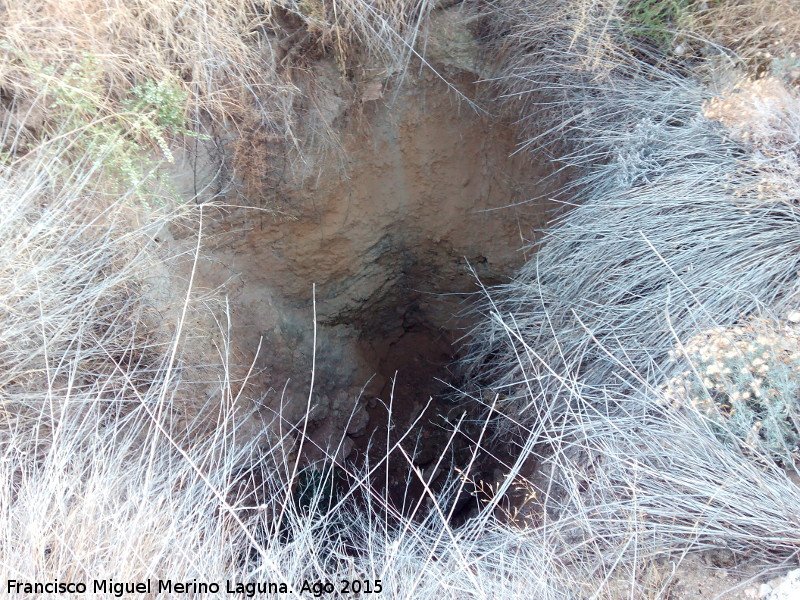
<point x="722" y="558"/>
<point x="358" y="423"/>
<point x="372" y="91"/>
<point x="775" y="582"/>
<point x="793" y="316"/>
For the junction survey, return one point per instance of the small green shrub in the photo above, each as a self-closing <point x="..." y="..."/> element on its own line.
<point x="124" y="138"/>
<point x="656" y="21"/>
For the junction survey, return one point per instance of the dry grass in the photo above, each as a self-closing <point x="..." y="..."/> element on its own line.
<point x="671" y="210"/>
<point x="69" y="309"/>
<point x="385" y="30"/>
<point x="230" y="58"/>
<point x="215" y="49"/>
<point x="624" y="481"/>
<point x="239" y="71"/>
<point x="676" y="226"/>
<point x="101" y="479"/>
<point x="763" y="34"/>
<point x="670" y="239"/>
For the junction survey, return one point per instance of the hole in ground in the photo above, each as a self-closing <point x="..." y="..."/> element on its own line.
<point x="412" y="406"/>
<point x="422" y="189"/>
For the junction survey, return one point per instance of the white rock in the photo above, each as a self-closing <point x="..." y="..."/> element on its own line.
<point x="793" y="316"/>
<point x="359" y="421"/>
<point x="788" y="589"/>
<point x="751" y="592"/>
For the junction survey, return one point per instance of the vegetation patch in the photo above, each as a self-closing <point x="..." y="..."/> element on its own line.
<point x="743" y="379"/>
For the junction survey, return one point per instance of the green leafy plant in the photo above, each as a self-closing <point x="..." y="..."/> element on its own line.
<point x="656" y="21"/>
<point x="156" y="110"/>
<point x="126" y="138"/>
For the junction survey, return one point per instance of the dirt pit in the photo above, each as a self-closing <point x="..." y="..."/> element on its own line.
<point x="375" y="248"/>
